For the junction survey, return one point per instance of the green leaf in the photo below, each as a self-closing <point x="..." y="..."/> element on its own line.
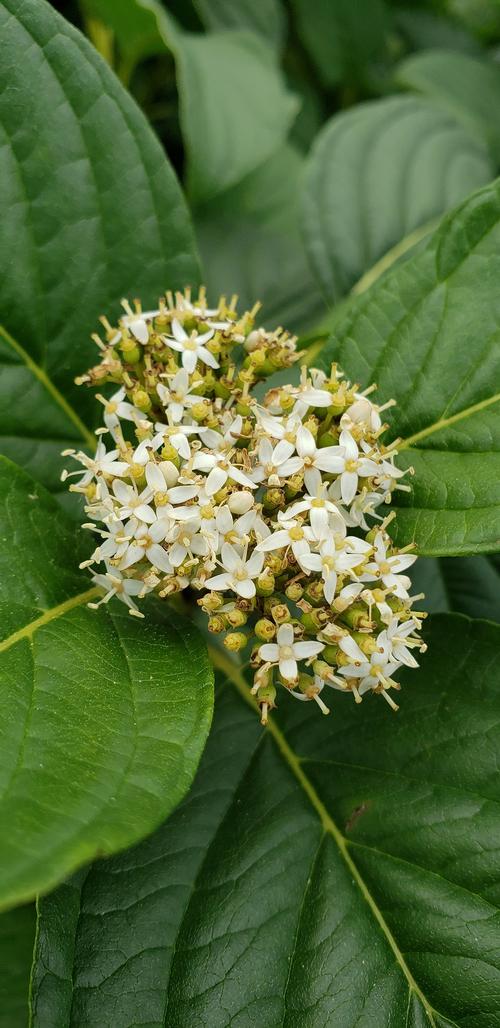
<point x="425" y="30"/>
<point x="266" y="18"/>
<point x="468" y="585"/>
<point x="229" y="132"/>
<point x="90" y="211"/>
<point x="467" y="87"/>
<point x="104" y="716"/>
<point x="250" y="231"/>
<point x="427" y="333"/>
<point x="342" y="37"/>
<point x="320" y="873"/>
<point x="17" y="936"/>
<point x="377" y="173"/>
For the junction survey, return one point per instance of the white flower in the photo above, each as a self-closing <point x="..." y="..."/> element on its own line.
<point x="374" y="671"/>
<point x="231" y="531"/>
<point x="388" y="569"/>
<point x="123" y="588"/>
<point x="352" y="467"/>
<point x="319" y="506"/>
<point x="134" y="503"/>
<point x="162" y="481"/>
<point x="117" y="537"/>
<point x="138" y="324"/>
<point x="325" y="458"/>
<point x="187" y="540"/>
<point x="291" y="534"/>
<point x="397" y="635"/>
<point x="330" y="562"/>
<point x="146" y="542"/>
<point x="177" y="395"/>
<point x="117" y="408"/>
<point x="285" y="652"/>
<point x="313" y="693"/>
<point x="101" y="463"/>
<point x="361" y="415"/>
<point x="238" y="574"/>
<point x="191" y="346"/>
<point x="275" y="463"/>
<point x="219" y="470"/>
<point x="279" y="428"/>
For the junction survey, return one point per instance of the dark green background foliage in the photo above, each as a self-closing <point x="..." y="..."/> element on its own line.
<point x="336" y="160"/>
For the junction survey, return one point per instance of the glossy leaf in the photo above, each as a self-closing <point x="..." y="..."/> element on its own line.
<point x="250" y="231"/>
<point x="321" y="873"/>
<point x="17" y="936"/>
<point x="376" y="174"/>
<point x="266" y="18"/>
<point x="134" y="26"/>
<point x="90" y="211"/>
<point x="427" y="333"/>
<point x="467" y="87"/>
<point x="342" y="37"/>
<point x="104" y="716"/>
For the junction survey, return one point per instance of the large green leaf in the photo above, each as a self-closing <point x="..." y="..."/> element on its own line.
<point x="90" y="212"/>
<point x="341" y="36"/>
<point x="134" y="27"/>
<point x="375" y="174"/>
<point x="333" y="871"/>
<point x="252" y="230"/>
<point x="468" y="87"/>
<point x="428" y="334"/>
<point x="104" y="717"/>
<point x="17" y="936"/>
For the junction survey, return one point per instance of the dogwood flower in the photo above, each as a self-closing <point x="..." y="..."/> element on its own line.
<point x="239" y="573"/>
<point x="192" y="347"/>
<point x="146" y="543"/>
<point x="291" y="534"/>
<point x="123" y="588"/>
<point x="387" y="569"/>
<point x="285" y="652"/>
<point x="177" y="395"/>
<point x="102" y="463"/>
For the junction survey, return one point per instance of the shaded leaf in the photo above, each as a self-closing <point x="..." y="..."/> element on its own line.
<point x="17" y="936"/>
<point x="467" y="87"/>
<point x="266" y="18"/>
<point x="468" y="585"/>
<point x="134" y="26"/>
<point x="320" y="873"/>
<point x="341" y="36"/>
<point x="91" y="212"/>
<point x="428" y="334"/>
<point x="104" y="717"/>
<point x="249" y="232"/>
<point x="375" y="174"/>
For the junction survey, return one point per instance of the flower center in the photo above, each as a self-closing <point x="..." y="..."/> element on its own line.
<point x="351" y="465"/>
<point x="241" y="574"/>
<point x="286" y="652"/>
<point x="296" y="533"/>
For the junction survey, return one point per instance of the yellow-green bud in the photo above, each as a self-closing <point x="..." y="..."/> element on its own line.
<point x="235" y="641"/>
<point x="273" y="498"/>
<point x="265" y="629"/>
<point x="366" y="643"/>
<point x="356" y="616"/>
<point x="211" y="602"/>
<point x="265" y="584"/>
<point x="216" y="624"/>
<point x="236" y="618"/>
<point x="141" y="399"/>
<point x="281" y="614"/>
<point x="266" y="696"/>
<point x="312" y="621"/>
<point x="314" y="593"/>
<point x="199" y="411"/>
<point x="130" y="350"/>
<point x="294" y="591"/>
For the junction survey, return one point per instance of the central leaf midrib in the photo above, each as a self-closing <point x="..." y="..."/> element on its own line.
<point x="234" y="675"/>
<point x="28" y="630"/>
<point x="87" y="436"/>
<point x="445" y="422"/>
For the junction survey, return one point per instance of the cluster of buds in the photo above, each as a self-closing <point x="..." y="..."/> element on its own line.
<point x="268" y="511"/>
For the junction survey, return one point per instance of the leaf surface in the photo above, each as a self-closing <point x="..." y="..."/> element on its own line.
<point x="17" y="936"/>
<point x="104" y="716"/>
<point x="338" y="870"/>
<point x="91" y="212"/>
<point x="427" y="332"/>
<point x="377" y="173"/>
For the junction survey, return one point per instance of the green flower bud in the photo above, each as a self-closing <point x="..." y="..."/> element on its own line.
<point x="273" y="498"/>
<point x="216" y="624"/>
<point x="312" y="621"/>
<point x="210" y="602"/>
<point x="266" y="696"/>
<point x="314" y="593"/>
<point x="131" y="350"/>
<point x="236" y="618"/>
<point x="265" y="584"/>
<point x="356" y="616"/>
<point x="235" y="641"/>
<point x="294" y="591"/>
<point x="141" y="399"/>
<point x="265" y="629"/>
<point x="280" y="614"/>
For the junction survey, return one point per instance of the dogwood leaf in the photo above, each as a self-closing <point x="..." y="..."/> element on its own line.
<point x="91" y="212"/>
<point x="318" y="873"/>
<point x="427" y="333"/>
<point x="104" y="716"/>
<point x="377" y="173"/>
<point x="17" y="936"/>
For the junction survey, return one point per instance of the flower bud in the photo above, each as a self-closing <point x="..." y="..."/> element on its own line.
<point x="265" y="629"/>
<point x="131" y="350"/>
<point x="240" y="502"/>
<point x="235" y="641"/>
<point x="141" y="399"/>
<point x="314" y="593"/>
<point x="265" y="584"/>
<point x="280" y="614"/>
<point x="294" y="591"/>
<point x="273" y="498"/>
<point x="216" y="624"/>
<point x="356" y="616"/>
<point x="236" y="618"/>
<point x="266" y="696"/>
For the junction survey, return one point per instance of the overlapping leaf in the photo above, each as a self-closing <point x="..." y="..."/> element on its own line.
<point x="17" y="936"/>
<point x="323" y="873"/>
<point x="90" y="211"/>
<point x="428" y="334"/>
<point x="376" y="174"/>
<point x="103" y="720"/>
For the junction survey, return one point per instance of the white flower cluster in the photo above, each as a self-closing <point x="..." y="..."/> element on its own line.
<point x="265" y="509"/>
